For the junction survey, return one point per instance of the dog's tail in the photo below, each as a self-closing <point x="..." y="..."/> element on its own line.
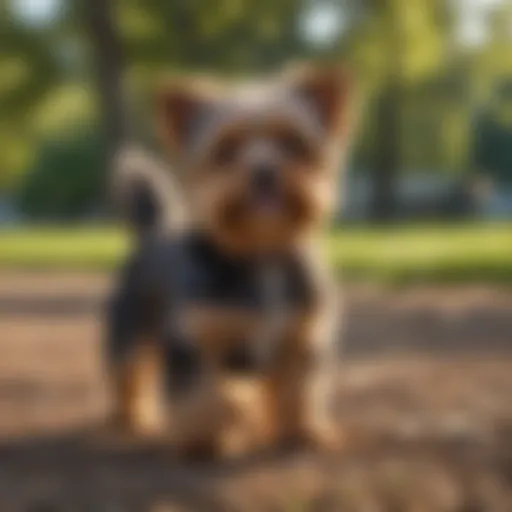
<point x="146" y="194"/>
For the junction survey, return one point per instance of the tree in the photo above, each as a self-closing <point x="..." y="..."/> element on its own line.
<point x="108" y="64"/>
<point x="397" y="44"/>
<point x="29" y="70"/>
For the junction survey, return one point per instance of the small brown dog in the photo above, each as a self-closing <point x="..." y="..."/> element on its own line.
<point x="240" y="288"/>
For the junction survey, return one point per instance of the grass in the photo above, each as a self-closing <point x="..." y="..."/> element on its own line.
<point x="443" y="253"/>
<point x="78" y="248"/>
<point x="431" y="253"/>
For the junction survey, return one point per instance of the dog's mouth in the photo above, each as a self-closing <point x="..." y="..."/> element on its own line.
<point x="273" y="209"/>
<point x="262" y="222"/>
<point x="267" y="202"/>
<point x="256" y="207"/>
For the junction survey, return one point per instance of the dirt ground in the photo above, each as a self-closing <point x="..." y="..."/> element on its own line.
<point x="424" y="395"/>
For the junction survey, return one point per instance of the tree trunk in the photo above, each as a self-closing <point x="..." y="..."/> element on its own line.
<point x="387" y="153"/>
<point x="109" y="66"/>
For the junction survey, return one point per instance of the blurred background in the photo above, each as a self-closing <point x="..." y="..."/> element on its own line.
<point x="435" y="77"/>
<point x="422" y="242"/>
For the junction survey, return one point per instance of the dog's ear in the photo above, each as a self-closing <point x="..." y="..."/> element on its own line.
<point x="179" y="107"/>
<point x="327" y="91"/>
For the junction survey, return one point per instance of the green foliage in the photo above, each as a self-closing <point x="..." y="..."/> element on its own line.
<point x="226" y="35"/>
<point x="492" y="155"/>
<point x="67" y="179"/>
<point x="401" y="39"/>
<point x="29" y="67"/>
<point x="48" y="75"/>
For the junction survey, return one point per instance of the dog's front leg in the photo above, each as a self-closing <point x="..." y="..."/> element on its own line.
<point x="300" y="386"/>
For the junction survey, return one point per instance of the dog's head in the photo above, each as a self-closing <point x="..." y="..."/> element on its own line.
<point x="259" y="161"/>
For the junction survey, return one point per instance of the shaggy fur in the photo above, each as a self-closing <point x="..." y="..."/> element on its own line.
<point x="238" y="291"/>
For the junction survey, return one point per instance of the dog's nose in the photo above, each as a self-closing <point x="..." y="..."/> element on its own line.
<point x="264" y="178"/>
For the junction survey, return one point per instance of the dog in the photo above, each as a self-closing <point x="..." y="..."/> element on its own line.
<point x="237" y="286"/>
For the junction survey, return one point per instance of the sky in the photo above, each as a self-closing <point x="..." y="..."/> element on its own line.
<point x="472" y="30"/>
<point x="322" y="25"/>
<point x="36" y="12"/>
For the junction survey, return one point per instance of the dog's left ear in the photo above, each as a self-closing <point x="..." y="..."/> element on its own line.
<point x="179" y="106"/>
<point x="328" y="92"/>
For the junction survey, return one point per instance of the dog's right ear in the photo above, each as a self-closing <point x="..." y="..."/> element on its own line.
<point x="179" y="107"/>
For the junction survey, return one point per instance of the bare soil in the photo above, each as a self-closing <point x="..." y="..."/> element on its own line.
<point x="424" y="396"/>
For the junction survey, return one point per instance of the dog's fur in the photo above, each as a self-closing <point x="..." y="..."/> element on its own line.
<point x="239" y="287"/>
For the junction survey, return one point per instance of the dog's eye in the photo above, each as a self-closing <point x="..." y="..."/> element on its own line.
<point x="226" y="151"/>
<point x="294" y="146"/>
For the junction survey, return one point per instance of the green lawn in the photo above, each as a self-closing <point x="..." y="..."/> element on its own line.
<point x="480" y="252"/>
